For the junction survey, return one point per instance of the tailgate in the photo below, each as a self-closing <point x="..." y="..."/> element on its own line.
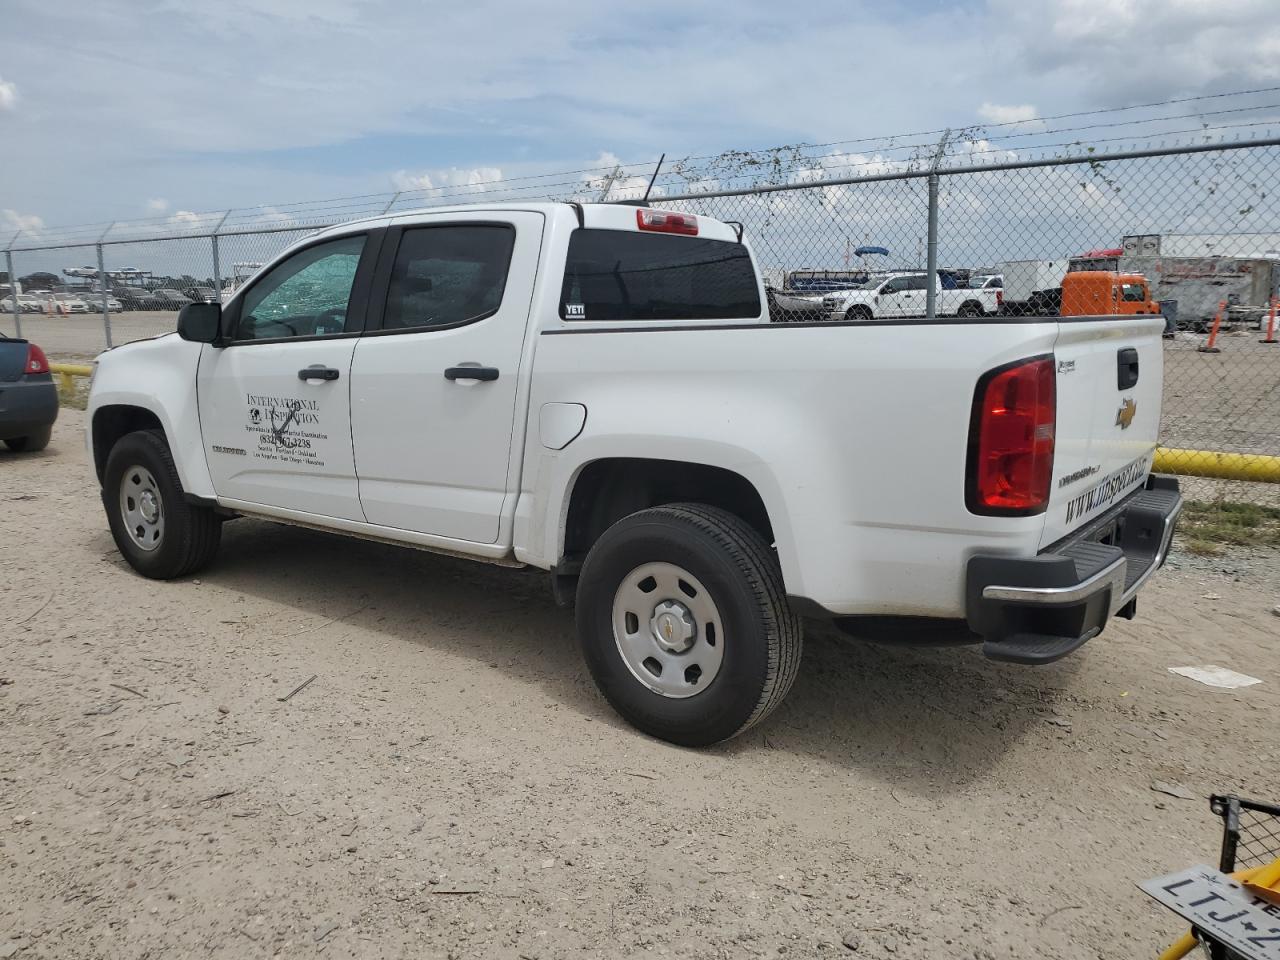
<point x="13" y="359"/>
<point x="1110" y="385"/>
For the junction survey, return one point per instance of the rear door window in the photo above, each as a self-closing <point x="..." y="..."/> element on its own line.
<point x="620" y="275"/>
<point x="448" y="275"/>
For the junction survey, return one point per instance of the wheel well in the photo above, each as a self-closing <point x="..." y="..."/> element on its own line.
<point x="860" y="309"/>
<point x="608" y="490"/>
<point x="973" y="305"/>
<point x="113" y="422"/>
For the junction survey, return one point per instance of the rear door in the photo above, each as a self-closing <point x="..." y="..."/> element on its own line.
<point x="1110" y="376"/>
<point x="434" y="382"/>
<point x="914" y="299"/>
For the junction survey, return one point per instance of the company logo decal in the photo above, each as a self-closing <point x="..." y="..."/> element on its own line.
<point x="1124" y="416"/>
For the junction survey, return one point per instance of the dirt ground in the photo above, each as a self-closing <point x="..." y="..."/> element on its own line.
<point x="451" y="785"/>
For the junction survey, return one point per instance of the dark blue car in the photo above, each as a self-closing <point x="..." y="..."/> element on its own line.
<point x="28" y="398"/>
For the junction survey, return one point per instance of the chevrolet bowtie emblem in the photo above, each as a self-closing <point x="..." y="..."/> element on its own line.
<point x="1124" y="416"/>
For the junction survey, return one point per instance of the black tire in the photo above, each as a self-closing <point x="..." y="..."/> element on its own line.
<point x="191" y="533"/>
<point x="858" y="314"/>
<point x="762" y="636"/>
<point x="970" y="310"/>
<point x="32" y="442"/>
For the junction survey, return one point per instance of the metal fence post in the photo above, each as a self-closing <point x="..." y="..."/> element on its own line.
<point x="13" y="292"/>
<point x="217" y="264"/>
<point x="106" y="308"/>
<point x="931" y="268"/>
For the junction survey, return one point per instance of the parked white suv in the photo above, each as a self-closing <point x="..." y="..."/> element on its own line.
<point x="597" y="391"/>
<point x="904" y="295"/>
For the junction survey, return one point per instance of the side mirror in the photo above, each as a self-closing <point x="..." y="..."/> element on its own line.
<point x="200" y="322"/>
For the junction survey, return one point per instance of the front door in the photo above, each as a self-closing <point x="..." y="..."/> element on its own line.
<point x="434" y="386"/>
<point x="892" y="300"/>
<point x="275" y="403"/>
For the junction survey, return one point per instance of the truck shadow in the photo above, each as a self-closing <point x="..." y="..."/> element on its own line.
<point x="924" y="720"/>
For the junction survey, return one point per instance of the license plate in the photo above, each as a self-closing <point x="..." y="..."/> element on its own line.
<point x="1222" y="908"/>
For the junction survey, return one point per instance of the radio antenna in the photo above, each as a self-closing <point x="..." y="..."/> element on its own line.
<point x="653" y="178"/>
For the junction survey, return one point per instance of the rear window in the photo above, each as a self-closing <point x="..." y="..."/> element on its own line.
<point x="619" y="275"/>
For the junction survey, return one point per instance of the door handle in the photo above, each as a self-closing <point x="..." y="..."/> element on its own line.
<point x="318" y="372"/>
<point x="471" y="373"/>
<point x="1126" y="368"/>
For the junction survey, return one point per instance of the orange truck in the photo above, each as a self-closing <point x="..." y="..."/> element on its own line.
<point x="1050" y="288"/>
<point x="1090" y="293"/>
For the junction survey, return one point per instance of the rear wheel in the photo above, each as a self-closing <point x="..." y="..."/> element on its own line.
<point x="971" y="310"/>
<point x="32" y="442"/>
<point x="684" y="623"/>
<point x="155" y="528"/>
<point x="858" y="314"/>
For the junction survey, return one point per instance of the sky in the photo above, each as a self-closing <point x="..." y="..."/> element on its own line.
<point x="122" y="109"/>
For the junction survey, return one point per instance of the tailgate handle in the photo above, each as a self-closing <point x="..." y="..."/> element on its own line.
<point x="1126" y="368"/>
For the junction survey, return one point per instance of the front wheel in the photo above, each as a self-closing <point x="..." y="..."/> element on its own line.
<point x="155" y="528"/>
<point x="684" y="623"/>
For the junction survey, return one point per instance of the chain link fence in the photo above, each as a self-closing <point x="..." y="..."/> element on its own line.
<point x="1191" y="233"/>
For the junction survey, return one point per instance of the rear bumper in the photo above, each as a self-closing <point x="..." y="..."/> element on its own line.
<point x="27" y="405"/>
<point x="1039" y="609"/>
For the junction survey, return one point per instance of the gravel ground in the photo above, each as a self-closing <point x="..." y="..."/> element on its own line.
<point x="450" y="784"/>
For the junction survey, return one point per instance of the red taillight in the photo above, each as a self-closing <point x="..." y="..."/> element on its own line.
<point x="663" y="221"/>
<point x="999" y="297"/>
<point x="1011" y="439"/>
<point x="37" y="362"/>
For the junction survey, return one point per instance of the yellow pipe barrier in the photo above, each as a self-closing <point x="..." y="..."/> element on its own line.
<point x="66" y="371"/>
<point x="1220" y="466"/>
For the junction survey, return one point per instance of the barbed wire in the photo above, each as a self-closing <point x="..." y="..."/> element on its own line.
<point x="725" y="170"/>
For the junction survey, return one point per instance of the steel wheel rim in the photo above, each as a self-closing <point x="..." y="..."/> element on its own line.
<point x="141" y="508"/>
<point x="668" y="630"/>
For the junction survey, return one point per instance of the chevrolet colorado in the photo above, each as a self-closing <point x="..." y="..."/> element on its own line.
<point x="597" y="391"/>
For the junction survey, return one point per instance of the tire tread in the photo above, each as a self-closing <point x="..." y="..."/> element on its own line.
<point x="198" y="528"/>
<point x="755" y="559"/>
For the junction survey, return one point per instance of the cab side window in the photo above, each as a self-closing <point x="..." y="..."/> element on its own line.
<point x="1133" y="292"/>
<point x="448" y="275"/>
<point x="896" y="285"/>
<point x="307" y="295"/>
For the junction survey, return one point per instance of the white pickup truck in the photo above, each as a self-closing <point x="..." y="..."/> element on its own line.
<point x="896" y="296"/>
<point x="597" y="391"/>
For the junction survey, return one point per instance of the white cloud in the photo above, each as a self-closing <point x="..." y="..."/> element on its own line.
<point x="8" y="95"/>
<point x="1205" y="45"/>
<point x="450" y="183"/>
<point x="1000" y="113"/>
<point x="404" y="180"/>
<point x="613" y="182"/>
<point x="26" y="222"/>
<point x="185" y="217"/>
<point x="157" y="205"/>
<point x="270" y="216"/>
